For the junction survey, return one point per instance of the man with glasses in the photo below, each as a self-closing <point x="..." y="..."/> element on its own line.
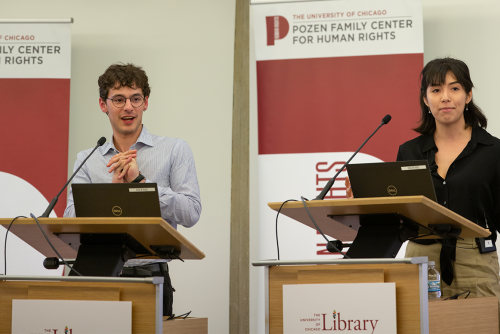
<point x="136" y="156"/>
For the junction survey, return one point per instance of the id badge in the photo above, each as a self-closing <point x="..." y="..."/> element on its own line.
<point x="486" y="245"/>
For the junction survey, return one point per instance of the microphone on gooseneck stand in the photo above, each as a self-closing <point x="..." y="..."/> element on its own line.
<point x="53" y="203"/>
<point x="330" y="183"/>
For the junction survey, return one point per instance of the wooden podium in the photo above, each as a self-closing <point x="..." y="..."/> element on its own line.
<point x="414" y="313"/>
<point x="146" y="294"/>
<point x="333" y="216"/>
<point x="407" y="216"/>
<point x="338" y="219"/>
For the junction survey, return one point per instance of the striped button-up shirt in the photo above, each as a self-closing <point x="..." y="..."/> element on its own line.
<point x="166" y="161"/>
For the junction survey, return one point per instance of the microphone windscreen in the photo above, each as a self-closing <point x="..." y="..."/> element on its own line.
<point x="386" y="119"/>
<point x="103" y="140"/>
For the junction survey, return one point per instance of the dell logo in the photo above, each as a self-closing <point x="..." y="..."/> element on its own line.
<point x="392" y="190"/>
<point x="117" y="211"/>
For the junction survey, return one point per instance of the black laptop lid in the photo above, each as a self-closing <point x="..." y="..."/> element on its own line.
<point x="116" y="199"/>
<point x="386" y="179"/>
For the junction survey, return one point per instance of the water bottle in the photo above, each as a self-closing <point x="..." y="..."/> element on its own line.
<point x="434" y="279"/>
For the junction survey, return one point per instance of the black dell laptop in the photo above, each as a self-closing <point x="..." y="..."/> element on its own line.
<point x="387" y="179"/>
<point x="116" y="199"/>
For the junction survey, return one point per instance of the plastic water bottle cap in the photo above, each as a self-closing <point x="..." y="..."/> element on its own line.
<point x="432" y="263"/>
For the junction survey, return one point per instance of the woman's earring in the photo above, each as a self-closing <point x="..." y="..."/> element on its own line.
<point x="466" y="107"/>
<point x="429" y="110"/>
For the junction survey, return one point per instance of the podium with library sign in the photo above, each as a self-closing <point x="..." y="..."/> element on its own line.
<point x="409" y="217"/>
<point x="146" y="238"/>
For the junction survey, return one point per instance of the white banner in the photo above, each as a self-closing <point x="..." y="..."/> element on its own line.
<point x="332" y="308"/>
<point x="31" y="316"/>
<point x="35" y="50"/>
<point x="297" y="175"/>
<point x="35" y="68"/>
<point x="318" y="100"/>
<point x="314" y="29"/>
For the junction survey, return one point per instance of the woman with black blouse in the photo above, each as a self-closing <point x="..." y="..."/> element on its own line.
<point x="465" y="166"/>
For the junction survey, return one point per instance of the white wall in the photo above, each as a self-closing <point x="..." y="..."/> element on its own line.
<point x="468" y="30"/>
<point x="186" y="48"/>
<point x="465" y="29"/>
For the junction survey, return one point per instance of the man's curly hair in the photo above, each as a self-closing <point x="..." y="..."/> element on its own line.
<point x="120" y="75"/>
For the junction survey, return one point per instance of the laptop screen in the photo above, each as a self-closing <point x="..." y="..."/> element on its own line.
<point x="387" y="179"/>
<point x="116" y="199"/>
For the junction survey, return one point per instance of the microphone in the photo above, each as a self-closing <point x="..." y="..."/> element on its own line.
<point x="54" y="262"/>
<point x="330" y="183"/>
<point x="53" y="203"/>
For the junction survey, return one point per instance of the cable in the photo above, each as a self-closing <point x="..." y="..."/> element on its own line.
<point x="183" y="316"/>
<point x="5" y="245"/>
<point x="277" y="243"/>
<point x="319" y="230"/>
<point x="177" y="256"/>
<point x="433" y="233"/>
<point x="439" y="242"/>
<point x="458" y="294"/>
<point x="47" y="238"/>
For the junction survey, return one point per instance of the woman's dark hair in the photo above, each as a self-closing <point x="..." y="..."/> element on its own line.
<point x="434" y="73"/>
<point x="120" y="75"/>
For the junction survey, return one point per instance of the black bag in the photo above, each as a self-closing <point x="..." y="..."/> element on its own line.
<point x="155" y="270"/>
<point x="168" y="293"/>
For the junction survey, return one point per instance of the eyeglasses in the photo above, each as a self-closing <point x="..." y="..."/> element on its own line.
<point x="119" y="101"/>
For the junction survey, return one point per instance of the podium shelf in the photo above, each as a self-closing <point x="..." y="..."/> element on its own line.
<point x="419" y="209"/>
<point x="148" y="231"/>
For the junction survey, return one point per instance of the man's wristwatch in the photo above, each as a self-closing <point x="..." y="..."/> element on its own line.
<point x="139" y="178"/>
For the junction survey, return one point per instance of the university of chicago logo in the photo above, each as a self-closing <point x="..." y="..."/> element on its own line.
<point x="277" y="28"/>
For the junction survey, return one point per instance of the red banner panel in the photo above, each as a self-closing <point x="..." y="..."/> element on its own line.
<point x="35" y="134"/>
<point x="334" y="104"/>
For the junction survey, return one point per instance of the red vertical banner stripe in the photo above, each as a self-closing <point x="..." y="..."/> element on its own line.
<point x="35" y="133"/>
<point x="333" y="104"/>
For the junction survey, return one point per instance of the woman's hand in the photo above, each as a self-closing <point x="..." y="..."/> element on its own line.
<point x="348" y="190"/>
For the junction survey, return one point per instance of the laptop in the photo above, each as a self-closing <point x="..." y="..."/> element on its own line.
<point x="387" y="179"/>
<point x="116" y="199"/>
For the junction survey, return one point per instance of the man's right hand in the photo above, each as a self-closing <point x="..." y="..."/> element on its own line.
<point x="348" y="190"/>
<point x="120" y="164"/>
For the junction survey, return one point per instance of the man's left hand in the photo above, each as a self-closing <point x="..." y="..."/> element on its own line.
<point x="124" y="167"/>
<point x="131" y="171"/>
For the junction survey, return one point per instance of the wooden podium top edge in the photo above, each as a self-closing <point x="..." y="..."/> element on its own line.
<point x="355" y="201"/>
<point x="109" y="224"/>
<point x="86" y="220"/>
<point x="399" y="204"/>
